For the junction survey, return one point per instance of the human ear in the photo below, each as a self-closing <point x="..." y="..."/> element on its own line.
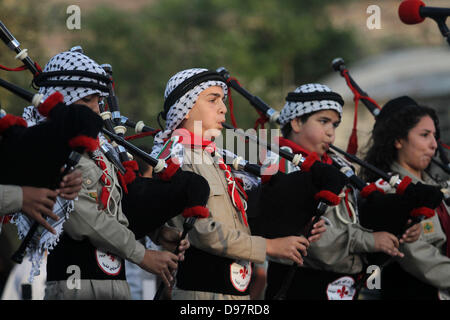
<point x="296" y="125"/>
<point x="398" y="144"/>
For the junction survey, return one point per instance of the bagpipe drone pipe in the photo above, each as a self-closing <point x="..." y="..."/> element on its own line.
<point x="391" y="212"/>
<point x="48" y="144"/>
<point x="263" y="108"/>
<point x="381" y="211"/>
<point x="148" y="203"/>
<point x="325" y="177"/>
<point x="300" y="195"/>
<point x="21" y="169"/>
<point x="422" y="206"/>
<point x="35" y="156"/>
<point x="338" y="65"/>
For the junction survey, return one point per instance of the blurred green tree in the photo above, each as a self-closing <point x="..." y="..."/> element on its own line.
<point x="269" y="46"/>
<point x="26" y="23"/>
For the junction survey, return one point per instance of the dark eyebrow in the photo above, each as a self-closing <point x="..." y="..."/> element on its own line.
<point x="214" y="94"/>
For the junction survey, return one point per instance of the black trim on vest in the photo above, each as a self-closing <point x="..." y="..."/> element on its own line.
<point x="79" y="253"/>
<point x="314" y="96"/>
<point x="187" y="85"/>
<point x="202" y="271"/>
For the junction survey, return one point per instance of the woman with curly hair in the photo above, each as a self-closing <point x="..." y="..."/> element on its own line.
<point x="403" y="142"/>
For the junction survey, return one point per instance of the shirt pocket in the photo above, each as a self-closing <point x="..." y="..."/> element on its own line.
<point x="432" y="231"/>
<point x="91" y="177"/>
<point x="216" y="189"/>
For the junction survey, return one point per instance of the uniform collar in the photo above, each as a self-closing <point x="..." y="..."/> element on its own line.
<point x="397" y="168"/>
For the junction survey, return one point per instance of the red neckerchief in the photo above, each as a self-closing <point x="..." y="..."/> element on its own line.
<point x="188" y="138"/>
<point x="445" y="222"/>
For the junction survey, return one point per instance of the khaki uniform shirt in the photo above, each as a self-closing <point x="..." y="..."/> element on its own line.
<point x="425" y="258"/>
<point x="105" y="228"/>
<point x="11" y="198"/>
<point x="223" y="233"/>
<point x="340" y="247"/>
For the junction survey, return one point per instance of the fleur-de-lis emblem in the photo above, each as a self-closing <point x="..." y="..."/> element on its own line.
<point x="111" y="257"/>
<point x="342" y="291"/>
<point x="243" y="272"/>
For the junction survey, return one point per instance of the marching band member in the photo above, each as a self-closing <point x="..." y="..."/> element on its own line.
<point x="96" y="239"/>
<point x="404" y="139"/>
<point x="309" y="120"/>
<point x="219" y="263"/>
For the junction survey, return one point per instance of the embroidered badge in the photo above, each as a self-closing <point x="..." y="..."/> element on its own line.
<point x="93" y="195"/>
<point x="173" y="149"/>
<point x="108" y="263"/>
<point x="341" y="289"/>
<point x="240" y="275"/>
<point x="428" y="227"/>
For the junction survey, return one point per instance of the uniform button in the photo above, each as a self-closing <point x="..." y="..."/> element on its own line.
<point x="88" y="181"/>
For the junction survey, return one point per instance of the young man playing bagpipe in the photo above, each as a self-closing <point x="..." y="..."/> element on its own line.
<point x="96" y="237"/>
<point x="309" y="120"/>
<point x="218" y="264"/>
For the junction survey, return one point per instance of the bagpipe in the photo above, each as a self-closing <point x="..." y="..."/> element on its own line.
<point x="406" y="191"/>
<point x="154" y="195"/>
<point x="390" y="212"/>
<point x="327" y="179"/>
<point x="171" y="183"/>
<point x="56" y="143"/>
<point x="338" y="65"/>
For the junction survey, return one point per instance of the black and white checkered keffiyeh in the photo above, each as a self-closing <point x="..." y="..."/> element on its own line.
<point x="292" y="110"/>
<point x="43" y="239"/>
<point x="68" y="60"/>
<point x="183" y="105"/>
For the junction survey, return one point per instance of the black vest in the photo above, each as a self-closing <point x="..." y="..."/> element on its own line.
<point x="202" y="271"/>
<point x="86" y="257"/>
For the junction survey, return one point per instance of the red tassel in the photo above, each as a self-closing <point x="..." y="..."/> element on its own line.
<point x="6" y="219"/>
<point x="328" y="196"/>
<point x="122" y="182"/>
<point x="197" y="211"/>
<point x="11" y="120"/>
<point x="309" y="161"/>
<point x="130" y="173"/>
<point x="422" y="211"/>
<point x="49" y="103"/>
<point x="403" y="185"/>
<point x="230" y="102"/>
<point x="90" y="144"/>
<point x="367" y="190"/>
<point x="265" y="178"/>
<point x="352" y="147"/>
<point x="171" y="169"/>
<point x="131" y="165"/>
